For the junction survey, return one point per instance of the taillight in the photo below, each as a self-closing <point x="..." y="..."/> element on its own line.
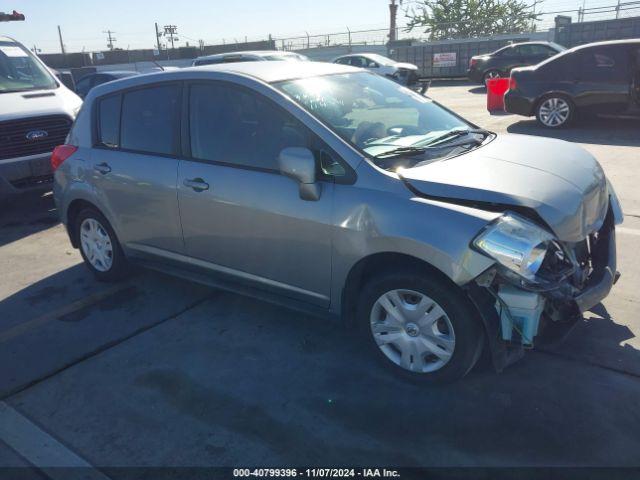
<point x="512" y="83"/>
<point x="472" y="62"/>
<point x="60" y="154"/>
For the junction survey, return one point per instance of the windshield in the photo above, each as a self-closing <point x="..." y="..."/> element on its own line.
<point x="375" y="114"/>
<point x="380" y="59"/>
<point x="20" y="72"/>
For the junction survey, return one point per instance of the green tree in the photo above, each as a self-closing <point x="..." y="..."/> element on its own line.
<point x="444" y="19"/>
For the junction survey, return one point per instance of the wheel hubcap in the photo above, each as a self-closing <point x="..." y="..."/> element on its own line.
<point x="554" y="112"/>
<point x="96" y="244"/>
<point x="412" y="330"/>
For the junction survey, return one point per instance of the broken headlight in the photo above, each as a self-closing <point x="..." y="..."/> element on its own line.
<point x="515" y="243"/>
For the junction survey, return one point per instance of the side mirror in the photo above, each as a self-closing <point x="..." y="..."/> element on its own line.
<point x="300" y="164"/>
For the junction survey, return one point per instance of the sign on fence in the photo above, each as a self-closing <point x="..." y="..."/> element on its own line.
<point x="448" y="59"/>
<point x="99" y="56"/>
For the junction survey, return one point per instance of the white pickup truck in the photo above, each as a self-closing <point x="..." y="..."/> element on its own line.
<point x="36" y="113"/>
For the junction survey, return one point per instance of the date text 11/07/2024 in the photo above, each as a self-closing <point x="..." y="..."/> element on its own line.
<point x="316" y="472"/>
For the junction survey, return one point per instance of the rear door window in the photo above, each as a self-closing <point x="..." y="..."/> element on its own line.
<point x="150" y="119"/>
<point x="604" y="64"/>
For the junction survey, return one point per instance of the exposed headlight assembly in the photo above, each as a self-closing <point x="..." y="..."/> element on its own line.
<point x="515" y="243"/>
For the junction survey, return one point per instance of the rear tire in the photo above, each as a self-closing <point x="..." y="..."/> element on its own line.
<point x="555" y="111"/>
<point x="419" y="327"/>
<point x="99" y="246"/>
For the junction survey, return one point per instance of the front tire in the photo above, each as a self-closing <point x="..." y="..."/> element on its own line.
<point x="419" y="327"/>
<point x="99" y="246"/>
<point x="555" y="111"/>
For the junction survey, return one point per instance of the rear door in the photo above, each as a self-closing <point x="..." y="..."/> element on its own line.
<point x="239" y="214"/>
<point x="603" y="82"/>
<point x="134" y="165"/>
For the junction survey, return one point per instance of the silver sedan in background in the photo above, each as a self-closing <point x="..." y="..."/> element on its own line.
<point x="339" y="192"/>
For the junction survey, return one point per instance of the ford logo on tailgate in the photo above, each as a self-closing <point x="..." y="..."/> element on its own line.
<point x="36" y="134"/>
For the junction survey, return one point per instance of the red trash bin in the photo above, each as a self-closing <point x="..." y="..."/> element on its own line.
<point x="496" y="88"/>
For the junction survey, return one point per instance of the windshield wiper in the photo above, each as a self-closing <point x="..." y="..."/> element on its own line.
<point x="402" y="151"/>
<point x="453" y="134"/>
<point x="435" y="143"/>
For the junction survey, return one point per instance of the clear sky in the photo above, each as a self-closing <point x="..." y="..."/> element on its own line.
<point x="82" y="22"/>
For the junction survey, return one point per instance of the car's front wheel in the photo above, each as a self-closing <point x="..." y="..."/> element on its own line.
<point x="99" y="246"/>
<point x="420" y="327"/>
<point x="555" y="111"/>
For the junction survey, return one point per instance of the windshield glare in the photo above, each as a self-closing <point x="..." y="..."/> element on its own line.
<point x="375" y="114"/>
<point x="19" y="71"/>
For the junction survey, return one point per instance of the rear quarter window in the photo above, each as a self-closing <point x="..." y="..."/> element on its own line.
<point x="109" y="121"/>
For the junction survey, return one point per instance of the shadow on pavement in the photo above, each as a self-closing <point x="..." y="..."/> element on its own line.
<point x="599" y="131"/>
<point x="235" y="381"/>
<point x="59" y="320"/>
<point x="599" y="340"/>
<point x="481" y="89"/>
<point x="25" y="214"/>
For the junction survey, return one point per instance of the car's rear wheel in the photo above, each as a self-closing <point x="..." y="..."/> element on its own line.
<point x="555" y="111"/>
<point x="491" y="74"/>
<point x="419" y="327"/>
<point x="99" y="246"/>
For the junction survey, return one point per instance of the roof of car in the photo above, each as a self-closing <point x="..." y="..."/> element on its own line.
<point x="257" y="53"/>
<point x="6" y="39"/>
<point x="121" y="73"/>
<point x="361" y="55"/>
<point x="276" y="71"/>
<point x="629" y="41"/>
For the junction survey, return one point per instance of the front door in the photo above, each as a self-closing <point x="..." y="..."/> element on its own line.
<point x="239" y="214"/>
<point x="134" y="165"/>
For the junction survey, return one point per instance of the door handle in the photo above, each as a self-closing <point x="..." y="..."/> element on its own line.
<point x="196" y="184"/>
<point x="103" y="168"/>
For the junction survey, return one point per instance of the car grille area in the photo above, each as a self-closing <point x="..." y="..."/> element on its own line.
<point x="32" y="136"/>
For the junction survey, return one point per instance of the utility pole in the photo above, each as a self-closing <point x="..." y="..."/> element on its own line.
<point x="171" y="31"/>
<point x="158" y="35"/>
<point x="618" y="10"/>
<point x="61" y="43"/>
<point x="36" y="50"/>
<point x="393" y="13"/>
<point x="110" y="39"/>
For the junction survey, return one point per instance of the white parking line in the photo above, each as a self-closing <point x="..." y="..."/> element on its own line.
<point x="628" y="231"/>
<point x="41" y="449"/>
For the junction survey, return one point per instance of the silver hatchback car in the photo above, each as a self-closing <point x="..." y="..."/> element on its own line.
<point x="339" y="192"/>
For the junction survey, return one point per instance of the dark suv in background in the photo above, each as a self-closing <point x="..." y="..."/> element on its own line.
<point x="499" y="63"/>
<point x="598" y="78"/>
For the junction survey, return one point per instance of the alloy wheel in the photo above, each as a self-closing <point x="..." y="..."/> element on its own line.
<point x="554" y="112"/>
<point x="96" y="244"/>
<point x="412" y="330"/>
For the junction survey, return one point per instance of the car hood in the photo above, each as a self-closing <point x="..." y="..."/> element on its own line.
<point x="563" y="183"/>
<point x="34" y="103"/>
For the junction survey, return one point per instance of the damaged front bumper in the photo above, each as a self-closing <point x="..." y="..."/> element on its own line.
<point x="515" y="312"/>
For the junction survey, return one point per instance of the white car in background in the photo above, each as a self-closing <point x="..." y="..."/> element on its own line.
<point x="404" y="73"/>
<point x="36" y="113"/>
<point x="253" y="56"/>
